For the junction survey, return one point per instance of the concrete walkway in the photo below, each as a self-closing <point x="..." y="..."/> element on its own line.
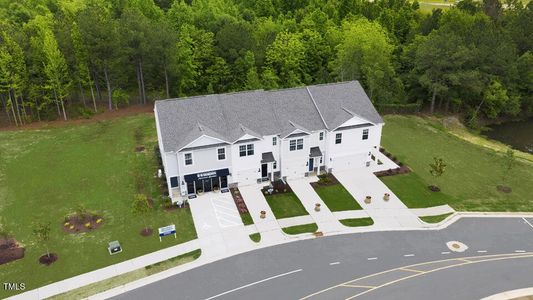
<point x="387" y="163"/>
<point x="325" y="219"/>
<point x="295" y="221"/>
<point x="218" y="224"/>
<point x="432" y="211"/>
<point x="269" y="227"/>
<point x="386" y="214"/>
<point x="351" y="214"/>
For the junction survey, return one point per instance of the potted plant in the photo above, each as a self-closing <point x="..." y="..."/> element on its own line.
<point x="263" y="214"/>
<point x="317" y="206"/>
<point x="199" y="191"/>
<point x="216" y="189"/>
<point x="386" y="196"/>
<point x="368" y="199"/>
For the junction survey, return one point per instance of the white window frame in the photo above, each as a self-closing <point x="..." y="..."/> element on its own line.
<point x="366" y="133"/>
<point x="185" y="158"/>
<point x="274" y="141"/>
<point x="274" y="165"/>
<point x="223" y="153"/>
<point x="321" y="136"/>
<point x="338" y="138"/>
<point x="242" y="152"/>
<point x="292" y="145"/>
<point x="250" y="150"/>
<point x="299" y="144"/>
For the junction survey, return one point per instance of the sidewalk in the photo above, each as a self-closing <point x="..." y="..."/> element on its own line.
<point x="386" y="214"/>
<point x="108" y="272"/>
<point x="325" y="219"/>
<point x="269" y="228"/>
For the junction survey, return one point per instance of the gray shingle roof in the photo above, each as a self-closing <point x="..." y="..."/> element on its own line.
<point x="229" y="116"/>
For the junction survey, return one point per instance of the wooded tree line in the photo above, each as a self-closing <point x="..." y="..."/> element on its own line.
<point x="65" y="58"/>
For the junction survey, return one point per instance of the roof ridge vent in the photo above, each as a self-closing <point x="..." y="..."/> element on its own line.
<point x="200" y="127"/>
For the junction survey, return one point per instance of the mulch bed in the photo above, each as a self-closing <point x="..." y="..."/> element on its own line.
<point x="278" y="188"/>
<point x="84" y="223"/>
<point x="434" y="188"/>
<point x="173" y="207"/>
<point x="504" y="189"/>
<point x="48" y="259"/>
<point x="402" y="169"/>
<point x="330" y="180"/>
<point x="239" y="201"/>
<point x="146" y="231"/>
<point x="10" y="250"/>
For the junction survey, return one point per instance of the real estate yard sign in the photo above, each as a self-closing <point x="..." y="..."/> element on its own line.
<point x="167" y="230"/>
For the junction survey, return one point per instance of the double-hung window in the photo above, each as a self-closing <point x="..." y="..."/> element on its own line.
<point x="338" y="138"/>
<point x="188" y="159"/>
<point x="242" y="150"/>
<point x="365" y="134"/>
<point x="274" y="141"/>
<point x="297" y="144"/>
<point x="221" y="152"/>
<point x="250" y="149"/>
<point x="292" y="145"/>
<point x="246" y="150"/>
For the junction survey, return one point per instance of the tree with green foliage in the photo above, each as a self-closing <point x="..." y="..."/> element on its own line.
<point x="358" y="59"/>
<point x="437" y="168"/>
<point x="55" y="68"/>
<point x="13" y="76"/>
<point x="41" y="231"/>
<point x="288" y="68"/>
<point x="82" y="63"/>
<point x="142" y="207"/>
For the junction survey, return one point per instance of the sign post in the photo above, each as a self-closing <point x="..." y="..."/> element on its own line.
<point x="167" y="230"/>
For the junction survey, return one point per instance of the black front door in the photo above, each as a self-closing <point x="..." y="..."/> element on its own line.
<point x="208" y="187"/>
<point x="264" y="170"/>
<point x="223" y="182"/>
<point x="190" y="187"/>
<point x="311" y="161"/>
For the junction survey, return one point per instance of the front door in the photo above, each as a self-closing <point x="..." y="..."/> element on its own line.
<point x="190" y="187"/>
<point x="208" y="187"/>
<point x="311" y="161"/>
<point x="264" y="170"/>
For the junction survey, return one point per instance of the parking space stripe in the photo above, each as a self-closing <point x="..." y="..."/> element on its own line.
<point x="412" y="270"/>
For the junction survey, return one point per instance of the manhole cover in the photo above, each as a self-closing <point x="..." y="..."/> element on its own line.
<point x="456" y="246"/>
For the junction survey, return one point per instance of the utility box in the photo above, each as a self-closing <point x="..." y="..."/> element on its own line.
<point x="114" y="247"/>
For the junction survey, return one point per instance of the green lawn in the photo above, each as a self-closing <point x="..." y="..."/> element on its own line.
<point x="306" y="228"/>
<point x="256" y="237"/>
<point x="337" y="198"/>
<point x="357" y="222"/>
<point x="285" y="205"/>
<point x="45" y="174"/>
<point x="435" y="219"/>
<point x="472" y="172"/>
<point x="104" y="285"/>
<point x="247" y="219"/>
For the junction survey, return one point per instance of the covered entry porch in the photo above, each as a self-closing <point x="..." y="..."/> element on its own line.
<point x="207" y="181"/>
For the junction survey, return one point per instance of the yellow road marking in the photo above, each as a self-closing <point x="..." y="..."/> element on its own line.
<point x="359" y="286"/>
<point x="492" y="257"/>
<point x="412" y="270"/>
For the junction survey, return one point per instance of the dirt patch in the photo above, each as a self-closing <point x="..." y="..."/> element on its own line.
<point x="146" y="232"/>
<point x="10" y="250"/>
<point x="504" y="189"/>
<point x="139" y="149"/>
<point x="82" y="223"/>
<point x="48" y="259"/>
<point x="434" y="188"/>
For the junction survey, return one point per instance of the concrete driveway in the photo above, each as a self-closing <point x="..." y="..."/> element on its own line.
<point x="391" y="214"/>
<point x="218" y="224"/>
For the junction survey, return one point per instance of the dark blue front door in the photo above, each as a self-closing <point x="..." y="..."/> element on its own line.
<point x="311" y="161"/>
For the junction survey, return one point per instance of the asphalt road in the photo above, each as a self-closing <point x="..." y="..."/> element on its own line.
<point x="317" y="267"/>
